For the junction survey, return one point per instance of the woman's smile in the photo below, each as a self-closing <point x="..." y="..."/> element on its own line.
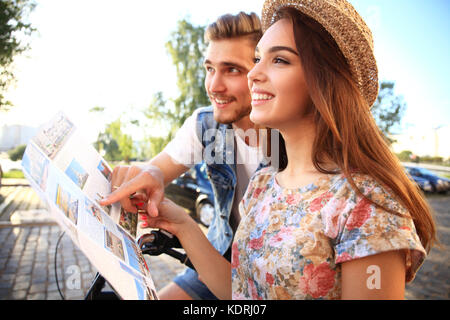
<point x="260" y="97"/>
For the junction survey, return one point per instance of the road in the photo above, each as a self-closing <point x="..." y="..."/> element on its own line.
<point x="433" y="279"/>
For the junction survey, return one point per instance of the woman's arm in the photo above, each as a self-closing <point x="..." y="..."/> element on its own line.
<point x="212" y="267"/>
<point x="377" y="277"/>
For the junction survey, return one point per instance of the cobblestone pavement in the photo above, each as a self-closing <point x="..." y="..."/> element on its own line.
<point x="27" y="253"/>
<point x="27" y="264"/>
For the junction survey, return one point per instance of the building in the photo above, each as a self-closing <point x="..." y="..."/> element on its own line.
<point x="431" y="142"/>
<point x="12" y="136"/>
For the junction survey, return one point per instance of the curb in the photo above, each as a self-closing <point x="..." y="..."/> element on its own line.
<point x="8" y="224"/>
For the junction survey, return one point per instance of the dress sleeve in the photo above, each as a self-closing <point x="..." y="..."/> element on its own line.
<point x="370" y="230"/>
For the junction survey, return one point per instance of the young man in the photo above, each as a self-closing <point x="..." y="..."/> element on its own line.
<point x="229" y="57"/>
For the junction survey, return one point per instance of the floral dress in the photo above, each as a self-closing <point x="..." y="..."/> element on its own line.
<point x="290" y="242"/>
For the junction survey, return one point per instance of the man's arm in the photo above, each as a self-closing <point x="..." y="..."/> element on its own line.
<point x="170" y="168"/>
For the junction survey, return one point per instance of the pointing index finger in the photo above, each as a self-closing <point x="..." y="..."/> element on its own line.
<point x="122" y="192"/>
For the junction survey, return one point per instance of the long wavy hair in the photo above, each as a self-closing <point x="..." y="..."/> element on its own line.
<point x="346" y="132"/>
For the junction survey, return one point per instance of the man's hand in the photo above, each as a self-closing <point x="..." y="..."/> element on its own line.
<point x="137" y="186"/>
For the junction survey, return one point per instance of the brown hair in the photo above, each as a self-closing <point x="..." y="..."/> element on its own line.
<point x="232" y="26"/>
<point x="346" y="132"/>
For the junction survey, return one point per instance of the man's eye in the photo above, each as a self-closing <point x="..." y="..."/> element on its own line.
<point x="209" y="69"/>
<point x="233" y="70"/>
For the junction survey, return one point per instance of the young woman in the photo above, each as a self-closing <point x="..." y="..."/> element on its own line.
<point x="339" y="219"/>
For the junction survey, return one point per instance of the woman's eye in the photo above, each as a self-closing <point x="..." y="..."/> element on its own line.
<point x="256" y="60"/>
<point x="279" y="60"/>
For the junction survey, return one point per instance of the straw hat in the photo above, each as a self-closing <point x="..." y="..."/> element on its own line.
<point x="347" y="28"/>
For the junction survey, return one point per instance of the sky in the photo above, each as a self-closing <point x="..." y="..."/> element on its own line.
<point x="112" y="54"/>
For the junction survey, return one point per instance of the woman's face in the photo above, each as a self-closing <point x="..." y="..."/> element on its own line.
<point x="277" y="83"/>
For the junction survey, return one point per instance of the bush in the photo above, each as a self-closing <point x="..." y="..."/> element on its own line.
<point x="431" y="159"/>
<point x="13" y="174"/>
<point x="405" y="155"/>
<point x="17" y="153"/>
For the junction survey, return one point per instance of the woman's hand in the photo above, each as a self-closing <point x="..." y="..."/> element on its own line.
<point x="171" y="217"/>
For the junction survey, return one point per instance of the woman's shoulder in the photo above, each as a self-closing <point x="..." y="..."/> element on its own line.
<point x="370" y="188"/>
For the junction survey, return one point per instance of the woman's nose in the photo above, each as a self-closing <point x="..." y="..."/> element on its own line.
<point x="255" y="74"/>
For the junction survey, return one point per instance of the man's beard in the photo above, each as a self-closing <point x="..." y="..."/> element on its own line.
<point x="232" y="116"/>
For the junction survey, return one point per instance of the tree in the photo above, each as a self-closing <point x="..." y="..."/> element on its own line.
<point x="115" y="144"/>
<point x="17" y="153"/>
<point x="388" y="109"/>
<point x="108" y="146"/>
<point x="186" y="48"/>
<point x="13" y="14"/>
<point x="405" y="155"/>
<point x="112" y="142"/>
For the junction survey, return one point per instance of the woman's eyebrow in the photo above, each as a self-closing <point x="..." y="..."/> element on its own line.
<point x="279" y="48"/>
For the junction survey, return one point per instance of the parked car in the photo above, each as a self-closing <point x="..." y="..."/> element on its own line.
<point x="193" y="191"/>
<point x="423" y="184"/>
<point x="438" y="184"/>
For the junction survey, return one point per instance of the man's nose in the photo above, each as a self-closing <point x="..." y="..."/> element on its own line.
<point x="216" y="84"/>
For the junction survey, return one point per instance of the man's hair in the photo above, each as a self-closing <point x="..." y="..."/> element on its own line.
<point x="233" y="26"/>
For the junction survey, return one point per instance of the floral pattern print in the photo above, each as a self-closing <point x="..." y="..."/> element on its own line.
<point x="290" y="243"/>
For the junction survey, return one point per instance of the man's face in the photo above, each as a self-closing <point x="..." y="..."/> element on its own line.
<point x="227" y="63"/>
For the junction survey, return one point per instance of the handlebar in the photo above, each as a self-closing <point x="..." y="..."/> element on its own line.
<point x="161" y="241"/>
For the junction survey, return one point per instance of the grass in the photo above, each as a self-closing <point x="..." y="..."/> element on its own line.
<point x="13" y="174"/>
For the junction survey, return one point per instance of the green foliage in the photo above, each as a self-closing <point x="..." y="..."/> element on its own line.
<point x="431" y="159"/>
<point x="97" y="109"/>
<point x="388" y="109"/>
<point x="186" y="48"/>
<point x="405" y="155"/>
<point x="13" y="174"/>
<point x="112" y="142"/>
<point x="17" y="153"/>
<point x="157" y="144"/>
<point x="150" y="147"/>
<point x="115" y="144"/>
<point x="13" y="14"/>
<point x="408" y="156"/>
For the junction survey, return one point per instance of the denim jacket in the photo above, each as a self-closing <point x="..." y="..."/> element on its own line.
<point x="222" y="175"/>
